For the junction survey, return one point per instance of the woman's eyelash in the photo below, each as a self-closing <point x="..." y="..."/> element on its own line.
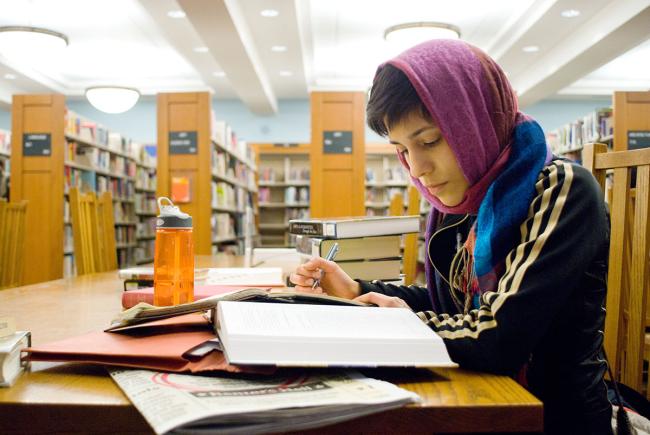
<point x="432" y="142"/>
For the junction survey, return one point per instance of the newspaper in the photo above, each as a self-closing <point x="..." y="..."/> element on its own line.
<point x="255" y="404"/>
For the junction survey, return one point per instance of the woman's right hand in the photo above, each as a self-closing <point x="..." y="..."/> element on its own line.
<point x="334" y="281"/>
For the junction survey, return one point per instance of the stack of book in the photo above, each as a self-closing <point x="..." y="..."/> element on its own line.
<point x="369" y="247"/>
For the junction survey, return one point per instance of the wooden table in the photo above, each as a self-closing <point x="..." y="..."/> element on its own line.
<point x="76" y="398"/>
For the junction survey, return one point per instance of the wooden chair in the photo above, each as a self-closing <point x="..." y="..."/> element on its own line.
<point x="93" y="231"/>
<point x="12" y="243"/>
<point x="628" y="276"/>
<point x="410" y="257"/>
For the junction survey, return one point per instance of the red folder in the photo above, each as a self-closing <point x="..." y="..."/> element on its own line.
<point x="163" y="345"/>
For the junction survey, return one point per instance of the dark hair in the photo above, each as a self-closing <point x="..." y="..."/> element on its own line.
<point x="392" y="97"/>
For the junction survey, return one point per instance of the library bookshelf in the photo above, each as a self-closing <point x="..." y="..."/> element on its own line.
<point x="385" y="177"/>
<point x="206" y="171"/>
<point x="146" y="208"/>
<point x="54" y="149"/>
<point x="624" y="126"/>
<point x="284" y="190"/>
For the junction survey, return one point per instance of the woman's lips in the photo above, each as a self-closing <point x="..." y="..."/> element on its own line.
<point x="435" y="189"/>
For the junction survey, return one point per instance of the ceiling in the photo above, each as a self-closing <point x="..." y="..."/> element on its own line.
<point x="229" y="48"/>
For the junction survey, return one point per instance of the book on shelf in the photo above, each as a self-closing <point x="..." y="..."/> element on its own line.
<point x="349" y="227"/>
<point x="300" y="335"/>
<point x="357" y="248"/>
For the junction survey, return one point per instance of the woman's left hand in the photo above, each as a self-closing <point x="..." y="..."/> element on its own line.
<point x="382" y="300"/>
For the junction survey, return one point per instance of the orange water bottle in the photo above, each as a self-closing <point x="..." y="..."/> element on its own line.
<point x="173" y="264"/>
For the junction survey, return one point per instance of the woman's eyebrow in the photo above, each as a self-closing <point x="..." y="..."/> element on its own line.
<point x="416" y="133"/>
<point x="421" y="130"/>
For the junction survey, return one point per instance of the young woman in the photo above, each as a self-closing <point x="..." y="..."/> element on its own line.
<point x="517" y="240"/>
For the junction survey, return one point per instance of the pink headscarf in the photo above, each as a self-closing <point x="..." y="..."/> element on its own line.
<point x="473" y="104"/>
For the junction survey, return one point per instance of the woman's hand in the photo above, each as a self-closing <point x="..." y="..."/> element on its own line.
<point x="334" y="281"/>
<point x="382" y="300"/>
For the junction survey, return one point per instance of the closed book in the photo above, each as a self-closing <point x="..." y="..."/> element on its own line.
<point x="357" y="248"/>
<point x="348" y="227"/>
<point x="385" y="270"/>
<point x="326" y="335"/>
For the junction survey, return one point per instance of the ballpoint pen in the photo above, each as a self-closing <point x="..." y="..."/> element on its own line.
<point x="329" y="257"/>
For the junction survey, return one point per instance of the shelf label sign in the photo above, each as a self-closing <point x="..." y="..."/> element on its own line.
<point x="638" y="139"/>
<point x="37" y="144"/>
<point x="182" y="142"/>
<point x="337" y="142"/>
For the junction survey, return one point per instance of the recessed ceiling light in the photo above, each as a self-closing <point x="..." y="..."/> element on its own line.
<point x="286" y="73"/>
<point x="10" y="76"/>
<point x="570" y="13"/>
<point x="269" y="13"/>
<point x="219" y="74"/>
<point x="530" y="49"/>
<point x="176" y="14"/>
<point x="279" y="48"/>
<point x="201" y="49"/>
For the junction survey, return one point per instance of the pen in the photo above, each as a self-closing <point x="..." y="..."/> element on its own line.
<point x="330" y="256"/>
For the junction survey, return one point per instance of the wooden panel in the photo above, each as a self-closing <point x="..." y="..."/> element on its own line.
<point x="337" y="183"/>
<point x="337" y="111"/>
<point x="39" y="180"/>
<point x="188" y="112"/>
<point x="631" y="112"/>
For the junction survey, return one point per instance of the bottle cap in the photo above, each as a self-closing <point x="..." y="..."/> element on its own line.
<point x="171" y="216"/>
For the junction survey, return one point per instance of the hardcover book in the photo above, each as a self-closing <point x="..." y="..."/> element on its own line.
<point x="348" y="227"/>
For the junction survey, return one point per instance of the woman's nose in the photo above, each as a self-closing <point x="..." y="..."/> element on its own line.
<point x="419" y="165"/>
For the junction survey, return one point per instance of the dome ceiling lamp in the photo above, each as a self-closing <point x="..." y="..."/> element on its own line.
<point x="112" y="99"/>
<point x="28" y="41"/>
<point x="409" y="34"/>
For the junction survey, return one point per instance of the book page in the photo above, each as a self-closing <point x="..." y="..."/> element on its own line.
<point x="253" y="276"/>
<point x="261" y="319"/>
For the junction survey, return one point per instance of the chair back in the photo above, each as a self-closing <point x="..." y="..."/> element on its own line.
<point x="628" y="274"/>
<point x="410" y="256"/>
<point x="93" y="232"/>
<point x="12" y="243"/>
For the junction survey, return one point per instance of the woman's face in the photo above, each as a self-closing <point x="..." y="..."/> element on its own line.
<point x="430" y="158"/>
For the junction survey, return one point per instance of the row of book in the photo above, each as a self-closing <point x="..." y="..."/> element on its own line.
<point x="395" y="174"/>
<point x="145" y="178"/>
<point x="144" y="252"/>
<point x="90" y="131"/>
<point x="369" y="248"/>
<point x="375" y="194"/>
<point x="595" y="126"/>
<point x="223" y="134"/>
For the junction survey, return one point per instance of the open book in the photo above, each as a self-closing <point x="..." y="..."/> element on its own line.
<point x="327" y="335"/>
<point x="144" y="312"/>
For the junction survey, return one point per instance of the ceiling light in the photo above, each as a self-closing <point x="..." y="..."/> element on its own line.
<point x="286" y="73"/>
<point x="22" y="41"/>
<point x="201" y="49"/>
<point x="112" y="99"/>
<point x="219" y="74"/>
<point x="269" y="13"/>
<point x="176" y="14"/>
<point x="570" y="13"/>
<point x="530" y="49"/>
<point x="403" y="36"/>
<point x="9" y="76"/>
<point x="279" y="48"/>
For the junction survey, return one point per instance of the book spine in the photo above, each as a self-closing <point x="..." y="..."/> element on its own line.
<point x="306" y="228"/>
